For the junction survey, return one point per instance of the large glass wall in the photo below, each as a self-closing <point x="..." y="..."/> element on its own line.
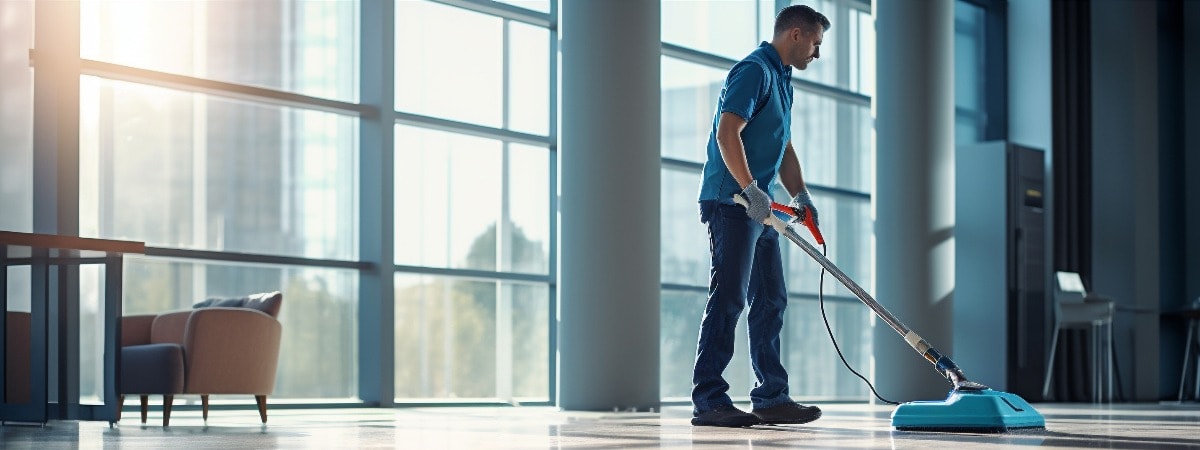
<point x="16" y="116"/>
<point x="970" y="115"/>
<point x="473" y="244"/>
<point x="831" y="131"/>
<point x="980" y="111"/>
<point x="226" y="136"/>
<point x="184" y="144"/>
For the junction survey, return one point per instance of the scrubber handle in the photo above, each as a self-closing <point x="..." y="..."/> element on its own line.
<point x="943" y="364"/>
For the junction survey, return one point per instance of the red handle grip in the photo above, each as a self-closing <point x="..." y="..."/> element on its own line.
<point x="804" y="218"/>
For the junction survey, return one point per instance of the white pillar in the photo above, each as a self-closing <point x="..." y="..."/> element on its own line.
<point x="914" y="194"/>
<point x="609" y="176"/>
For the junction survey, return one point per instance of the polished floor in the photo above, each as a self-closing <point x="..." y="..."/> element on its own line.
<point x="1122" y="426"/>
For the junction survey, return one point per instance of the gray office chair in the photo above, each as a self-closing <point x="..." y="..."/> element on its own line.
<point x="1075" y="308"/>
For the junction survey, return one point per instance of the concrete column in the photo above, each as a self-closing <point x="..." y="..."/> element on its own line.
<point x="376" y="286"/>
<point x="914" y="194"/>
<point x="56" y="119"/>
<point x="609" y="182"/>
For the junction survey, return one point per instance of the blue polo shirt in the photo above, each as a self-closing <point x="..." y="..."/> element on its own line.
<point x="759" y="90"/>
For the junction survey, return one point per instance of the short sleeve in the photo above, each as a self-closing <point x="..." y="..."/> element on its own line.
<point x="745" y="87"/>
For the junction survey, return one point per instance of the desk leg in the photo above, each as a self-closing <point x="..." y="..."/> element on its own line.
<point x="68" y="343"/>
<point x="3" y="327"/>
<point x="113" y="271"/>
<point x="39" y="302"/>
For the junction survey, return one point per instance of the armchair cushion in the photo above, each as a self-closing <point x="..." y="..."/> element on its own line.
<point x="152" y="369"/>
<point x="267" y="302"/>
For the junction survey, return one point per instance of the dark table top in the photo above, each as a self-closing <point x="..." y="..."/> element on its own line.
<point x="19" y="245"/>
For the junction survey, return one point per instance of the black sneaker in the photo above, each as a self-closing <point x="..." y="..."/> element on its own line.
<point x="790" y="412"/>
<point x="725" y="416"/>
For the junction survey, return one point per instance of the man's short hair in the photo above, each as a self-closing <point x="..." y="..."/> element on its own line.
<point x="802" y="17"/>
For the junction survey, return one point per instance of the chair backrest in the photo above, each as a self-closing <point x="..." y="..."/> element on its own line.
<point x="1069" y="288"/>
<point x="267" y="302"/>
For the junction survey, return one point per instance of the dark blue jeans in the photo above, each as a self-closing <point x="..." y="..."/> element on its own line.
<point x="746" y="266"/>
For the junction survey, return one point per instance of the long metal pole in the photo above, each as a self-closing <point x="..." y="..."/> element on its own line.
<point x="943" y="364"/>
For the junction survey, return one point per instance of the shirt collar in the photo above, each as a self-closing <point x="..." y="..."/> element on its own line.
<point x="773" y="57"/>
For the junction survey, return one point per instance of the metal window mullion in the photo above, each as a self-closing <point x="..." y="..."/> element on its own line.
<point x="723" y="63"/>
<point x="254" y="258"/>
<point x="474" y="274"/>
<point x="552" y="166"/>
<point x="452" y="126"/>
<point x="225" y="89"/>
<point x="503" y="339"/>
<point x="696" y="289"/>
<point x="860" y="5"/>
<point x="199" y="150"/>
<point x="505" y="11"/>
<point x="692" y="166"/>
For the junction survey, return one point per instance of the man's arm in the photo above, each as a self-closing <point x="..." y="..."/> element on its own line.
<point x="733" y="153"/>
<point x="790" y="173"/>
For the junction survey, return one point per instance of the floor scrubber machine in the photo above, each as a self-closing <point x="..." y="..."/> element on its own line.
<point x="970" y="406"/>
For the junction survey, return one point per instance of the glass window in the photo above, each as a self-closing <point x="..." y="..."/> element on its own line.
<point x="680" y="333"/>
<point x="529" y="78"/>
<point x="526" y="229"/>
<point x="848" y="51"/>
<point x="847" y="226"/>
<point x="805" y="340"/>
<point x="685" y="257"/>
<point x="453" y="75"/>
<point x="452" y="193"/>
<point x="16" y="116"/>
<point x="91" y="333"/>
<point x="467" y="339"/>
<point x="176" y="169"/>
<point x="319" y="348"/>
<point x="724" y="28"/>
<point x="970" y="116"/>
<point x="689" y="100"/>
<point x="863" y="69"/>
<point x="832" y="141"/>
<point x="304" y="46"/>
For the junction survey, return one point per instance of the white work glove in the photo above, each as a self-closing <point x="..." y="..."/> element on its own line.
<point x="803" y="201"/>
<point x="759" y="207"/>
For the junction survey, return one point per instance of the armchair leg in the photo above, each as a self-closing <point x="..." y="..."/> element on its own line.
<point x="204" y="406"/>
<point x="145" y="407"/>
<point x="120" y="404"/>
<point x="262" y="407"/>
<point x="168" y="399"/>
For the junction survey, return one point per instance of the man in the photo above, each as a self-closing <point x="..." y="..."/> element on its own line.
<point x="749" y="147"/>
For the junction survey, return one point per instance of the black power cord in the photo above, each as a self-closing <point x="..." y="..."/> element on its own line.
<point x="821" y="300"/>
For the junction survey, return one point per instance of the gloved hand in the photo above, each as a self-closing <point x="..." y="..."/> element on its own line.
<point x="760" y="203"/>
<point x="804" y="201"/>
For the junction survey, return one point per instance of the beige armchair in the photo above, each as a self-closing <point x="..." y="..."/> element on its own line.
<point x="223" y="346"/>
